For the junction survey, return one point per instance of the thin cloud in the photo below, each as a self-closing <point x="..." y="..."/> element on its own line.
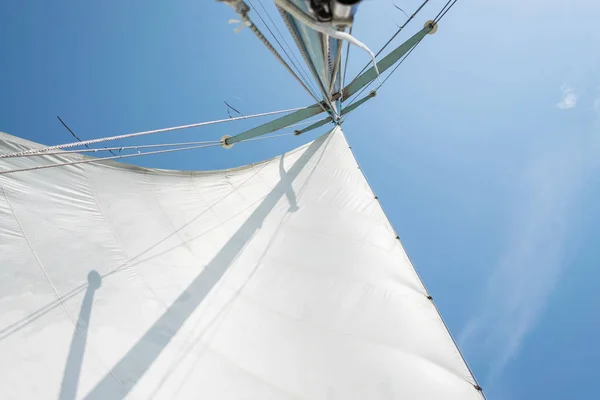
<point x="521" y="283"/>
<point x="569" y="99"/>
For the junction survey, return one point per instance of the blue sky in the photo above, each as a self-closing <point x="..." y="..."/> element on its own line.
<point x="483" y="147"/>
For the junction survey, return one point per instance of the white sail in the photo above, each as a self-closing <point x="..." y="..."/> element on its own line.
<point x="278" y="280"/>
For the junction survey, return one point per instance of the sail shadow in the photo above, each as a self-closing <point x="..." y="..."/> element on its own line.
<point x="286" y="181"/>
<point x="70" y="381"/>
<point x="142" y="355"/>
<point x="24" y="322"/>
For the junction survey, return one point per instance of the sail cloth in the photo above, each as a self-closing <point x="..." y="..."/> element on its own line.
<point x="277" y="280"/>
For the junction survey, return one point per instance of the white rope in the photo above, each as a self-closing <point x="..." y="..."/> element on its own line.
<point x="93" y="160"/>
<point x="130" y="135"/>
<point x="147" y="146"/>
<point x="141" y="146"/>
<point x="325" y="28"/>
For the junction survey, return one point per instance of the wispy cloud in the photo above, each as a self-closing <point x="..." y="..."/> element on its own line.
<point x="522" y="281"/>
<point x="597" y="104"/>
<point x="569" y="99"/>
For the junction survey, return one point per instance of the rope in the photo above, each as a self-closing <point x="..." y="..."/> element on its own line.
<point x="325" y="29"/>
<point x="263" y="39"/>
<point x="346" y="62"/>
<point x="130" y="135"/>
<point x="357" y="95"/>
<point x="395" y="34"/>
<point x="301" y="49"/>
<point x="242" y="9"/>
<point x="95" y="160"/>
<point x="293" y="59"/>
<point x="105" y="159"/>
<point x="440" y="15"/>
<point x="436" y="20"/>
<point x="73" y="133"/>
<point x="144" y="146"/>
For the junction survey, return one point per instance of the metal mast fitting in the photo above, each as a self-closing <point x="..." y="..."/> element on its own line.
<point x="224" y="143"/>
<point x="431" y="24"/>
<point x="345" y="111"/>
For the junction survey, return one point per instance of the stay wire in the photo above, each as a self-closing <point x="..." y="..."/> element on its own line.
<point x="445" y="12"/>
<point x="147" y="153"/>
<point x="396" y="34"/>
<point x="357" y="95"/>
<point x="399" y="63"/>
<point x="92" y="160"/>
<point x="291" y="55"/>
<point x="144" y="146"/>
<point x="442" y="10"/>
<point x="269" y="46"/>
<point x="346" y="62"/>
<point x="243" y="13"/>
<point x="300" y="71"/>
<point x="437" y="19"/>
<point x="119" y="149"/>
<point x="130" y="135"/>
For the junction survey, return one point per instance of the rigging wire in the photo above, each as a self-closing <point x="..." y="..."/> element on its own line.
<point x="305" y="80"/>
<point x="302" y="50"/>
<point x="91" y="160"/>
<point x="346" y="61"/>
<point x="293" y="58"/>
<point x="130" y="135"/>
<point x="136" y="147"/>
<point x="445" y="12"/>
<point x="356" y="96"/>
<point x="144" y="146"/>
<point x="440" y="15"/>
<point x="323" y="28"/>
<point x="73" y="133"/>
<point x="242" y="9"/>
<point x="266" y="42"/>
<point x="147" y="153"/>
<point x="396" y="34"/>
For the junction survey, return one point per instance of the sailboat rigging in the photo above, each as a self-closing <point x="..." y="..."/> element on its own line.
<point x="275" y="280"/>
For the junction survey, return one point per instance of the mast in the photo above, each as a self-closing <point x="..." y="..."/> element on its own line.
<point x="359" y="83"/>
